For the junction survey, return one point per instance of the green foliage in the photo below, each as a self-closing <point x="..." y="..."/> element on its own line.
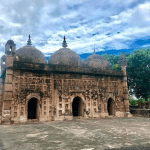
<point x="138" y="73"/>
<point x="130" y="97"/>
<point x="113" y="59"/>
<point x="126" y="54"/>
<point x="132" y="101"/>
<point x="135" y="102"/>
<point x="116" y="67"/>
<point x="142" y="100"/>
<point x="148" y="99"/>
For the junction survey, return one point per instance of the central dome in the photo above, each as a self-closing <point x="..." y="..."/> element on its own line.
<point x="29" y="53"/>
<point x="65" y="56"/>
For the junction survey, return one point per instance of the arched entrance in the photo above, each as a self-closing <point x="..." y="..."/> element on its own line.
<point x="33" y="109"/>
<point x="111" y="106"/>
<point x="77" y="107"/>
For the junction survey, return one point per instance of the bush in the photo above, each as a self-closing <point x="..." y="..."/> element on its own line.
<point x="148" y="99"/>
<point x="142" y="100"/>
<point x="132" y="101"/>
<point x="135" y="102"/>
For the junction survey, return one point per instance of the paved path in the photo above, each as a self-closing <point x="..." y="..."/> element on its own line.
<point x="88" y="134"/>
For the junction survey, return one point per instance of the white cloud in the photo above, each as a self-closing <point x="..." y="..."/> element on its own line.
<point x="147" y="45"/>
<point x="49" y="21"/>
<point x="16" y="38"/>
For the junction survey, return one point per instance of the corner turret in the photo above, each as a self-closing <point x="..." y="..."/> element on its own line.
<point x="10" y="47"/>
<point x="123" y="65"/>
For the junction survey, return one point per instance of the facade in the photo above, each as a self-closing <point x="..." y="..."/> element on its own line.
<point x="62" y="88"/>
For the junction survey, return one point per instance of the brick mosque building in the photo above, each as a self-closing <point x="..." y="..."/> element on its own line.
<point x="62" y="88"/>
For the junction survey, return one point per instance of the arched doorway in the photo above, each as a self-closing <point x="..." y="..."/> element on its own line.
<point x="77" y="107"/>
<point x="111" y="106"/>
<point x="33" y="109"/>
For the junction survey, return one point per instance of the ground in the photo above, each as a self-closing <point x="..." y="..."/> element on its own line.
<point x="85" y="134"/>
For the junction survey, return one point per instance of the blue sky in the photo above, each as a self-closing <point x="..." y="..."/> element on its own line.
<point x="110" y="25"/>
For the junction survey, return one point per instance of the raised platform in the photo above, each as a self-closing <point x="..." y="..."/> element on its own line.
<point x="140" y="112"/>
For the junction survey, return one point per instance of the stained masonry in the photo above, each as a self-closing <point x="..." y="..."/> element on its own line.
<point x="59" y="90"/>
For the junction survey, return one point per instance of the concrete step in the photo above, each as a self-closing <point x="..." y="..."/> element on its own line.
<point x="33" y="120"/>
<point x="111" y="116"/>
<point x="78" y="117"/>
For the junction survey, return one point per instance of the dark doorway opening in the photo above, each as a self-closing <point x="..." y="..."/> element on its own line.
<point x="32" y="108"/>
<point x="77" y="107"/>
<point x="111" y="106"/>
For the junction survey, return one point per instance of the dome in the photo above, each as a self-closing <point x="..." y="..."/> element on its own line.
<point x="97" y="61"/>
<point x="65" y="56"/>
<point x="29" y="54"/>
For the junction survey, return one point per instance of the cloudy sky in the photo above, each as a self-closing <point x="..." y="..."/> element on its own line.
<point x="110" y="25"/>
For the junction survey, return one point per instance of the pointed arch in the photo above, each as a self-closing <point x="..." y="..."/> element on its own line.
<point x="77" y="106"/>
<point x="111" y="106"/>
<point x="33" y="112"/>
<point x="33" y="106"/>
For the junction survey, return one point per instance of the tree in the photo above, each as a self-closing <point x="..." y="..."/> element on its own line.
<point x="113" y="60"/>
<point x="138" y="73"/>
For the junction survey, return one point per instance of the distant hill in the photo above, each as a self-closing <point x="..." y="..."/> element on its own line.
<point x="109" y="52"/>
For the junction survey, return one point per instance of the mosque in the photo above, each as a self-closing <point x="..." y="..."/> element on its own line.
<point x="64" y="88"/>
